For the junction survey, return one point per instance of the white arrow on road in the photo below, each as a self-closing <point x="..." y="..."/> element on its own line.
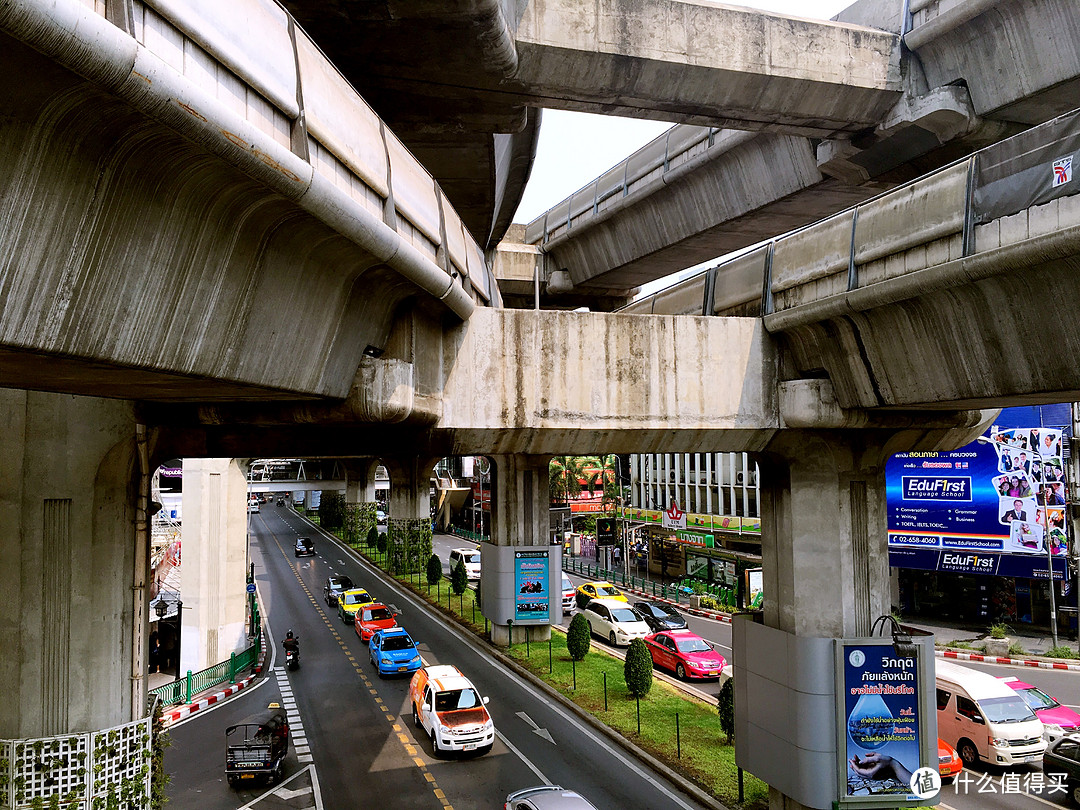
<point x="542" y="732"/>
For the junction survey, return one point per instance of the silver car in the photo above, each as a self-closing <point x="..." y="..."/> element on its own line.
<point x="547" y="797"/>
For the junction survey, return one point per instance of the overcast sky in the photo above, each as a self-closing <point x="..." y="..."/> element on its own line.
<point x="576" y="148"/>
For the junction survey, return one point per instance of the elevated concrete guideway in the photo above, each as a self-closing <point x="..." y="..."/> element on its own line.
<point x="697" y="193"/>
<point x="173" y="223"/>
<point x="697" y="62"/>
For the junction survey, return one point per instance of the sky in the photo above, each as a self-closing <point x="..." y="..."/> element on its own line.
<point x="576" y="148"/>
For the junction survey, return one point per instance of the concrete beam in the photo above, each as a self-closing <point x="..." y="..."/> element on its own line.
<point x="706" y="64"/>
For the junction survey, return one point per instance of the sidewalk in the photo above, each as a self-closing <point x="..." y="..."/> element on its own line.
<point x="208" y="697"/>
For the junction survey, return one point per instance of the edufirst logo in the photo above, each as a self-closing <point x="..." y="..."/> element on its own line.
<point x="968" y="562"/>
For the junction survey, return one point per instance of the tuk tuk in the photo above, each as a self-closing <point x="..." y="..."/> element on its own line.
<point x="255" y="748"/>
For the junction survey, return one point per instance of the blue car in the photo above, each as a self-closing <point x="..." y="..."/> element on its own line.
<point x="393" y="652"/>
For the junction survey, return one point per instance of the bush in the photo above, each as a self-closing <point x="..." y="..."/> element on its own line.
<point x="1062" y="652"/>
<point x="459" y="578"/>
<point x="434" y="569"/>
<point x="372" y="537"/>
<point x="709" y="603"/>
<point x="1015" y="649"/>
<point x="637" y="669"/>
<point x="999" y="630"/>
<point x="380" y="544"/>
<point x="578" y="637"/>
<point x="725" y="705"/>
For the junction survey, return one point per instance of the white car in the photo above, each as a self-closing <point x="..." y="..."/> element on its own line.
<point x="568" y="592"/>
<point x="615" y="621"/>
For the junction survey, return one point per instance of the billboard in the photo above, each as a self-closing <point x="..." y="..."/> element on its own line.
<point x="995" y="506"/>
<point x="531" y="592"/>
<point x="883" y="726"/>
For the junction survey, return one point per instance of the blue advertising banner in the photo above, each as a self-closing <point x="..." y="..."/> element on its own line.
<point x="881" y="721"/>
<point x="531" y="593"/>
<point x="995" y="506"/>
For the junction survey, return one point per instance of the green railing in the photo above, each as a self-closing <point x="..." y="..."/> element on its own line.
<point x="676" y="592"/>
<point x="475" y="537"/>
<point x="181" y="690"/>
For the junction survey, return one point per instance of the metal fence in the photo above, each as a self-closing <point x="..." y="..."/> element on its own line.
<point x="181" y="690"/>
<point x="679" y="592"/>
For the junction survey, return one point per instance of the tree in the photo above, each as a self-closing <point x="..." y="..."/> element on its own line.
<point x="332" y="510"/>
<point x="459" y="578"/>
<point x="372" y="537"/>
<point x="578" y="637"/>
<point x="725" y="704"/>
<point x="434" y="569"/>
<point x="380" y="544"/>
<point x="637" y="670"/>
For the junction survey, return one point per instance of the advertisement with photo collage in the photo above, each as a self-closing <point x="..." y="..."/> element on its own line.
<point x="996" y="506"/>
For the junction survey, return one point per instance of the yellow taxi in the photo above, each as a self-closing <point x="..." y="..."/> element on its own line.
<point x="597" y="590"/>
<point x="351" y="601"/>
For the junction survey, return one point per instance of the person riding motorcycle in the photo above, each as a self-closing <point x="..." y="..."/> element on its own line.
<point x="291" y="644"/>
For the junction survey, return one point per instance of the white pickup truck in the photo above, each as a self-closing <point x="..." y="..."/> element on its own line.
<point x="450" y="710"/>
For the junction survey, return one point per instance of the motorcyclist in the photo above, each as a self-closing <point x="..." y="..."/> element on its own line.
<point x="291" y="644"/>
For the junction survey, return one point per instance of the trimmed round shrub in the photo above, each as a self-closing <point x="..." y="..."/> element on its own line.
<point x="578" y="637"/>
<point x="372" y="537"/>
<point x="434" y="569"/>
<point x="637" y="669"/>
<point x="380" y="544"/>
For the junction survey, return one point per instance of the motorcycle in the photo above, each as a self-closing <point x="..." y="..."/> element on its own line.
<point x="292" y="659"/>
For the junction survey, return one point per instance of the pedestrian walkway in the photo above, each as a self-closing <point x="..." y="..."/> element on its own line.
<point x="296" y="725"/>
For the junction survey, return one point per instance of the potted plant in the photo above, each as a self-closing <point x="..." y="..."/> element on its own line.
<point x="999" y="642"/>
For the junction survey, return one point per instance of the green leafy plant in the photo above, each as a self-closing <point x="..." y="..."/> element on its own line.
<point x="578" y="637"/>
<point x="459" y="578"/>
<point x="434" y="569"/>
<point x="159" y="777"/>
<point x="372" y="536"/>
<point x="637" y="668"/>
<point x="1062" y="652"/>
<point x="725" y="706"/>
<point x="999" y="630"/>
<point x="380" y="543"/>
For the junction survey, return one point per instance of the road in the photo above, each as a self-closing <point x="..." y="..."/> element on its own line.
<point x="364" y="753"/>
<point x="986" y="788"/>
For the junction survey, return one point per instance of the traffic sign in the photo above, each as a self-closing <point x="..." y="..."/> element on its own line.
<point x="251" y="587"/>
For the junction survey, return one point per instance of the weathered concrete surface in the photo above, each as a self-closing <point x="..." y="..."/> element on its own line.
<point x="68" y="583"/>
<point x="1017" y="57"/>
<point x="215" y="562"/>
<point x="144" y="266"/>
<point x="524" y="381"/>
<point x="706" y="64"/>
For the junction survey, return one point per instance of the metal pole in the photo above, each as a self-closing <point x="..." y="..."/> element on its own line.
<point x="605" y="691"/>
<point x="678" y="739"/>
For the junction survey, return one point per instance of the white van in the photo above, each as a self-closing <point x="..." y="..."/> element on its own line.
<point x="983" y="719"/>
<point x="471" y="558"/>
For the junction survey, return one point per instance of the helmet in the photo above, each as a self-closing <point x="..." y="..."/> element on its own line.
<point x="289" y="634"/>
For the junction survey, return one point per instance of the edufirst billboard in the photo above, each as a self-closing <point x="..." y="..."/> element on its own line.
<point x="995" y="506"/>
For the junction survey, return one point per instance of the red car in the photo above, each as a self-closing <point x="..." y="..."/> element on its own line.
<point x="687" y="653"/>
<point x="372" y="618"/>
<point x="949" y="763"/>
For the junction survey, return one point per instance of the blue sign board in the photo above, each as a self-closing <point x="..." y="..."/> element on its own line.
<point x="881" y="735"/>
<point x="251" y="587"/>
<point x="531" y="592"/>
<point x="995" y="506"/>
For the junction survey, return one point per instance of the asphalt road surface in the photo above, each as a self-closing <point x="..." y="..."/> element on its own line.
<point x="358" y="727"/>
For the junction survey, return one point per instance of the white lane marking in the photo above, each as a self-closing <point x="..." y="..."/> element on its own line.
<point x="540" y="732"/>
<point x="287" y="794"/>
<point x="315" y="786"/>
<point x="523" y="758"/>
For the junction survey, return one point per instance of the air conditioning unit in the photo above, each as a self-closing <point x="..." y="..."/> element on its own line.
<point x="746" y="478"/>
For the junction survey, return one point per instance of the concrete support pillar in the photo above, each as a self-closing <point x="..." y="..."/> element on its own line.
<point x="72" y="584"/>
<point x="214" y="563"/>
<point x="823" y="533"/>
<point x="359" y="497"/>
<point x="520" y="516"/>
<point x="409" y="524"/>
